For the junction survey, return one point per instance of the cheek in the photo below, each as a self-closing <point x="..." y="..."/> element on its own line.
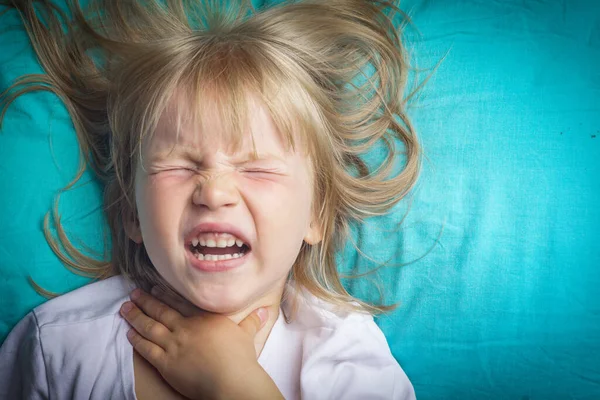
<point x="160" y="206"/>
<point x="282" y="215"/>
<point x="288" y="197"/>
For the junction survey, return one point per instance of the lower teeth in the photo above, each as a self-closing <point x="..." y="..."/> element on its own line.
<point x="214" y="257"/>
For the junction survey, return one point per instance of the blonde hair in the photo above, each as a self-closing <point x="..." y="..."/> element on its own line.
<point x="116" y="69"/>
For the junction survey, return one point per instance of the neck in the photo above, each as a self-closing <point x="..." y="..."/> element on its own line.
<point x="272" y="302"/>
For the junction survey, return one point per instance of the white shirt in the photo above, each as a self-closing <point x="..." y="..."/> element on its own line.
<point x="74" y="347"/>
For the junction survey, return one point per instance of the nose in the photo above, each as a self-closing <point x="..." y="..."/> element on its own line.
<point x="216" y="191"/>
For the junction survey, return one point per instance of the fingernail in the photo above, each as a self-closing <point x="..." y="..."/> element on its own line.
<point x="155" y="291"/>
<point x="130" y="333"/>
<point x="263" y="314"/>
<point x="125" y="308"/>
<point x="135" y="294"/>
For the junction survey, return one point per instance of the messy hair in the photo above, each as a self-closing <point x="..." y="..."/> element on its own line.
<point x="332" y="75"/>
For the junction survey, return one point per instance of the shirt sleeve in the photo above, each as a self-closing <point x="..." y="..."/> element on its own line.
<point x="22" y="368"/>
<point x="352" y="361"/>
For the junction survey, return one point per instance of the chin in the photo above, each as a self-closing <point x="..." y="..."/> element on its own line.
<point x="223" y="301"/>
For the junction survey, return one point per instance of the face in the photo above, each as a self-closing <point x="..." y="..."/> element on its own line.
<point x="193" y="193"/>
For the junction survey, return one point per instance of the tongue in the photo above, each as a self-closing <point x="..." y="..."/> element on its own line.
<point x="218" y="250"/>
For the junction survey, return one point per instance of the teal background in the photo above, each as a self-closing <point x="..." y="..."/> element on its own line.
<point x="39" y="156"/>
<point x="500" y="295"/>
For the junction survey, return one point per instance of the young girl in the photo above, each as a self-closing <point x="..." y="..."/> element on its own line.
<point x="228" y="140"/>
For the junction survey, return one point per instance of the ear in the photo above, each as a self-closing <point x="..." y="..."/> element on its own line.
<point x="314" y="234"/>
<point x="132" y="228"/>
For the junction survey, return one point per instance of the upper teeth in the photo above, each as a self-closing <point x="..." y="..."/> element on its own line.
<point x="217" y="242"/>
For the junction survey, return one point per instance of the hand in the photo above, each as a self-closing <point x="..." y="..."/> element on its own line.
<point x="179" y="304"/>
<point x="201" y="355"/>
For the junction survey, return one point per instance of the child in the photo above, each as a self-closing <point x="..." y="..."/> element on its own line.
<point x="228" y="142"/>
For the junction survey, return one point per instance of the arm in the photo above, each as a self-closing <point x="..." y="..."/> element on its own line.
<point x="149" y="384"/>
<point x="255" y="385"/>
<point x="203" y="355"/>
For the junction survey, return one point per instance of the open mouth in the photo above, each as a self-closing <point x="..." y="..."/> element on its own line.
<point x="218" y="247"/>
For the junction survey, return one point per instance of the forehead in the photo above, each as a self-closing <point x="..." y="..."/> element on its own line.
<point x="208" y="129"/>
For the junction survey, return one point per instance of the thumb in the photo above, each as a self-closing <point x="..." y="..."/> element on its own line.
<point x="255" y="321"/>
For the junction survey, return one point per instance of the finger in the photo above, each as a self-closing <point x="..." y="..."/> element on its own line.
<point x="255" y="321"/>
<point x="154" y="354"/>
<point x="156" y="309"/>
<point x="147" y="327"/>
<point x="181" y="305"/>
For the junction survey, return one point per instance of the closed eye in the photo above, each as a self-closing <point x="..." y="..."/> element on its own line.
<point x="263" y="174"/>
<point x="184" y="169"/>
<point x="256" y="171"/>
<point x="176" y="170"/>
